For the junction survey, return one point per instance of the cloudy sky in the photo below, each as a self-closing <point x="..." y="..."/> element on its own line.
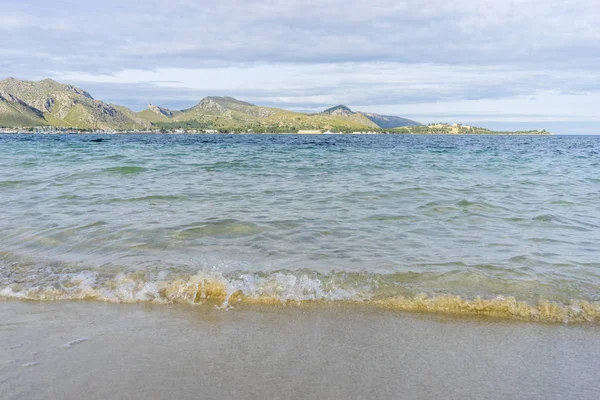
<point x="496" y="63"/>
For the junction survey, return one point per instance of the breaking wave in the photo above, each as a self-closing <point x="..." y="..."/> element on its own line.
<point x="287" y="288"/>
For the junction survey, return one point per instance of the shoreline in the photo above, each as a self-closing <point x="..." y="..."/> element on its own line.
<point x="503" y="309"/>
<point x="275" y="133"/>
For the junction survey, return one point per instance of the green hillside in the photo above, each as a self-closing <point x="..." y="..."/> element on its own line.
<point x="458" y="129"/>
<point x="47" y="102"/>
<point x="227" y="113"/>
<point x="17" y="114"/>
<point x="152" y="117"/>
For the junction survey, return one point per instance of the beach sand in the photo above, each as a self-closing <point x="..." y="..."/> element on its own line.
<point x="88" y="350"/>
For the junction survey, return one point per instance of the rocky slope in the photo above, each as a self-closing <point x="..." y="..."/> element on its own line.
<point x="340" y="110"/>
<point x="382" y="121"/>
<point x="14" y="112"/>
<point x="390" y="121"/>
<point x="48" y="102"/>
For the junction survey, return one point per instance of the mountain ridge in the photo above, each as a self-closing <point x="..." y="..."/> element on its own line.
<point x="48" y="103"/>
<point x="382" y="121"/>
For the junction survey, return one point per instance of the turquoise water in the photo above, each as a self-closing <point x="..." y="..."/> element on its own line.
<point x="291" y="217"/>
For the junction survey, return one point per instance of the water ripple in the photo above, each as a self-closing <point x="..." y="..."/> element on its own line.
<point x="468" y="216"/>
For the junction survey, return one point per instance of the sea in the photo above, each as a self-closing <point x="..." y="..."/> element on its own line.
<point x="498" y="226"/>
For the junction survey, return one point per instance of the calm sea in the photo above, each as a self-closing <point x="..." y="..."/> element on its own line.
<point x="495" y="225"/>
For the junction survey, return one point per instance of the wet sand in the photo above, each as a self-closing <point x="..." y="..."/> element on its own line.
<point x="88" y="350"/>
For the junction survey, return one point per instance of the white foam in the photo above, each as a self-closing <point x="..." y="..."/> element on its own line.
<point x="124" y="288"/>
<point x="30" y="364"/>
<point x="76" y="341"/>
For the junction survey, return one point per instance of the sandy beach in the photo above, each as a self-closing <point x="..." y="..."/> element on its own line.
<point x="90" y="350"/>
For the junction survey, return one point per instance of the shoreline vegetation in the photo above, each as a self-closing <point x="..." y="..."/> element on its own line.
<point x="51" y="107"/>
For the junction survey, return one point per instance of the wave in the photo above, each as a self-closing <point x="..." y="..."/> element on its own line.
<point x="287" y="288"/>
<point x="16" y="183"/>
<point x="156" y="197"/>
<point x="126" y="170"/>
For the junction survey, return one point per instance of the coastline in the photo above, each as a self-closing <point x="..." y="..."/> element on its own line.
<point x="277" y="133"/>
<point x="219" y="294"/>
<point x="135" y="351"/>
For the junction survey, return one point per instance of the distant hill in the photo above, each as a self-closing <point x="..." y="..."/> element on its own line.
<point x="459" y="129"/>
<point x="163" y="112"/>
<point x="50" y="103"/>
<point x="382" y="121"/>
<point x="47" y="102"/>
<point x="230" y="114"/>
<point x="390" y="121"/>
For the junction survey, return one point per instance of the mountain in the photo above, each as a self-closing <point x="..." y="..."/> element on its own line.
<point x="230" y="114"/>
<point x="153" y="114"/>
<point x="47" y="102"/>
<point x="165" y="112"/>
<point x="390" y="121"/>
<point x="382" y="121"/>
<point x="339" y="110"/>
<point x="222" y="105"/>
<point x="226" y="107"/>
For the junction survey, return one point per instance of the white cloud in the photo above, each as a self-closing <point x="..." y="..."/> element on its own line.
<point x="13" y="21"/>
<point x="381" y="87"/>
<point x="448" y="58"/>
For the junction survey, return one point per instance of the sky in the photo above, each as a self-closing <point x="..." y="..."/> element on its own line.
<point x="502" y="64"/>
